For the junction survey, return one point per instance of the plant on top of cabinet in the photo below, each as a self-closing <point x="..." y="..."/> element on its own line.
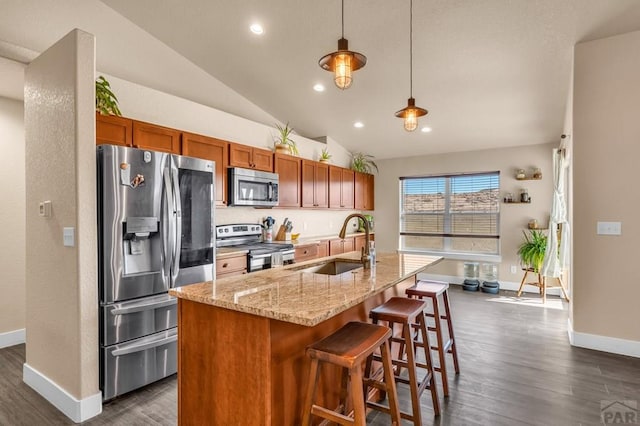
<point x="324" y="156"/>
<point x="106" y="101"/>
<point x="283" y="142"/>
<point x="363" y="163"/>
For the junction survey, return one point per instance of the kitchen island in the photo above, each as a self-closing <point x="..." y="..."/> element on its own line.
<point x="242" y="340"/>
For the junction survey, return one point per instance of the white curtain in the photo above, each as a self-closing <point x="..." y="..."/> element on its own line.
<point x="556" y="257"/>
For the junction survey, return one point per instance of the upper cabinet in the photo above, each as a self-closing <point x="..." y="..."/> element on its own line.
<point x="364" y="190"/>
<point x="288" y="169"/>
<point x="210" y="149"/>
<point x="113" y="130"/>
<point x="156" y="138"/>
<point x="315" y="184"/>
<point x="250" y="158"/>
<point x="341" y="188"/>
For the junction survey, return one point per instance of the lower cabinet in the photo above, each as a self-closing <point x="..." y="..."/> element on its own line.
<point x="339" y="246"/>
<point x="230" y="266"/>
<point x="323" y="248"/>
<point x="306" y="252"/>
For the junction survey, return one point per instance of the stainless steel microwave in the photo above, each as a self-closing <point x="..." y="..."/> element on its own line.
<point x="252" y="188"/>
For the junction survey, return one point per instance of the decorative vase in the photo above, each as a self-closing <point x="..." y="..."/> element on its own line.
<point x="283" y="149"/>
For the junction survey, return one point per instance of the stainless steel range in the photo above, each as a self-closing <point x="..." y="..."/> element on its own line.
<point x="248" y="236"/>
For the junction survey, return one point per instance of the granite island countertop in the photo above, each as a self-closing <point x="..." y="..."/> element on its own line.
<point x="293" y="294"/>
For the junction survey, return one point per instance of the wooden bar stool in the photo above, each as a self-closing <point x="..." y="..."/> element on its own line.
<point x="348" y="348"/>
<point x="433" y="289"/>
<point x="400" y="310"/>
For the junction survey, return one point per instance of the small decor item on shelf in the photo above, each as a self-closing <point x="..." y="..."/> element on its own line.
<point x="533" y="224"/>
<point x="508" y="198"/>
<point x="524" y="196"/>
<point x="520" y="174"/>
<point x="537" y="173"/>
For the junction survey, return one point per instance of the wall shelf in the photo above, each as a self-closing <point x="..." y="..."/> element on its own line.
<point x="516" y="202"/>
<point x="529" y="178"/>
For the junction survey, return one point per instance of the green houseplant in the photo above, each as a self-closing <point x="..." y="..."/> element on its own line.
<point x="532" y="250"/>
<point x="283" y="141"/>
<point x="324" y="156"/>
<point x="363" y="163"/>
<point x="106" y="101"/>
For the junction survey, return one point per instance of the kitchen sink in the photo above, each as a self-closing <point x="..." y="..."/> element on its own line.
<point x="334" y="267"/>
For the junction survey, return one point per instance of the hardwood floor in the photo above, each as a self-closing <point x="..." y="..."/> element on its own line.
<point x="517" y="368"/>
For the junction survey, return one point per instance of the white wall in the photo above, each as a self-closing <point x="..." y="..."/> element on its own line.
<point x="12" y="249"/>
<point x="513" y="217"/>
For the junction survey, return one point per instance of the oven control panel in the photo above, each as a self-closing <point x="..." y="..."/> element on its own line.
<point x="238" y="230"/>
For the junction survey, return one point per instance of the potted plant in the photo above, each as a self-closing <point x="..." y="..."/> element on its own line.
<point x="283" y="142"/>
<point x="363" y="163"/>
<point x="532" y="250"/>
<point x="106" y="101"/>
<point x="324" y="156"/>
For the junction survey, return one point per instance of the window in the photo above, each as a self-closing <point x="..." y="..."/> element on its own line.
<point x="451" y="213"/>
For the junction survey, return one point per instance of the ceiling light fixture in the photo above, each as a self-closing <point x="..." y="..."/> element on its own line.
<point x="318" y="87"/>
<point x="358" y="124"/>
<point x="426" y="130"/>
<point x="256" y="29"/>
<point x="411" y="112"/>
<point x="343" y="61"/>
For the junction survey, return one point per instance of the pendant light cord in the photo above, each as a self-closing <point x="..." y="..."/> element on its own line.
<point x="342" y="18"/>
<point x="410" y="48"/>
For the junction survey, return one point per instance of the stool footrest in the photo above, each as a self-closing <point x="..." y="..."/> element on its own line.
<point x="331" y="415"/>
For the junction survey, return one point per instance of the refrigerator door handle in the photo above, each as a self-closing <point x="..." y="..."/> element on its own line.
<point x="167" y="225"/>
<point x="129" y="349"/>
<point x="144" y="307"/>
<point x="175" y="267"/>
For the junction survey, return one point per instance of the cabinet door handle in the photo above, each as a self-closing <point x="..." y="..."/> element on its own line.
<point x="224" y="265"/>
<point x="305" y="252"/>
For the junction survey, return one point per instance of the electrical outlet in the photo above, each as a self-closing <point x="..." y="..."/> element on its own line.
<point x="609" y="228"/>
<point x="514" y="269"/>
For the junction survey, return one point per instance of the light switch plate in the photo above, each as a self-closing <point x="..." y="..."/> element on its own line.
<point x="68" y="237"/>
<point x="609" y="228"/>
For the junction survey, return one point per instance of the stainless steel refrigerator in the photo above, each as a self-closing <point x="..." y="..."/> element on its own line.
<point x="155" y="231"/>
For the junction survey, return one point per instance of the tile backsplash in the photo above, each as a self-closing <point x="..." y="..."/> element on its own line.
<point x="308" y="223"/>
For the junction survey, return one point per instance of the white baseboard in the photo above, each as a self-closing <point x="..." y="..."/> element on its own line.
<point x="612" y="345"/>
<point x="77" y="410"/>
<point x="11" y="338"/>
<point x="504" y="285"/>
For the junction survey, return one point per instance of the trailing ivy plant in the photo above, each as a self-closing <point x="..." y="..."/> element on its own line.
<point x="106" y="101"/>
<point x="532" y="250"/>
<point x="363" y="163"/>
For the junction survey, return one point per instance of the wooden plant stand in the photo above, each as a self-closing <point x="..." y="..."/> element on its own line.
<point x="541" y="283"/>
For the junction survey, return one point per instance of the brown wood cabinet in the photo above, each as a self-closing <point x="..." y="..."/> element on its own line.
<point x="323" y="248"/>
<point x="315" y="184"/>
<point x="113" y="130"/>
<point x="210" y="149"/>
<point x="156" y="138"/>
<point x="339" y="246"/>
<point x="341" y="188"/>
<point x="306" y="252"/>
<point x="249" y="157"/>
<point x="364" y="190"/>
<point x="288" y="169"/>
<point x="230" y="266"/>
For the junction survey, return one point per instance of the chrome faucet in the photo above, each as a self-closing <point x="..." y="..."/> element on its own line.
<point x="366" y="254"/>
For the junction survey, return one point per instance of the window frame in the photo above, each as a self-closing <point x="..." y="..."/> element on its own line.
<point x="447" y="217"/>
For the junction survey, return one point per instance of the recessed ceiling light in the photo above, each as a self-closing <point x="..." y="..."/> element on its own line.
<point x="425" y="129"/>
<point x="358" y="124"/>
<point x="256" y="29"/>
<point x="318" y="87"/>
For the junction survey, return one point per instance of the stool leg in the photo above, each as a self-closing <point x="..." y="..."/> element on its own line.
<point x="442" y="367"/>
<point x="453" y="348"/>
<point x="413" y="376"/>
<point x="422" y="326"/>
<point x="390" y="382"/>
<point x="522" y="283"/>
<point x="360" y="416"/>
<point x="311" y="392"/>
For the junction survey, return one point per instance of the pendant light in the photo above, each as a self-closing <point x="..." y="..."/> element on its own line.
<point x="411" y="112"/>
<point x="342" y="62"/>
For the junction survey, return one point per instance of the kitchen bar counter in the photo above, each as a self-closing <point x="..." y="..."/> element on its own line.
<point x="242" y="340"/>
<point x="293" y="295"/>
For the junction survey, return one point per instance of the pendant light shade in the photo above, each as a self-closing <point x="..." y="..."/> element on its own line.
<point x="411" y="112"/>
<point x="343" y="62"/>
